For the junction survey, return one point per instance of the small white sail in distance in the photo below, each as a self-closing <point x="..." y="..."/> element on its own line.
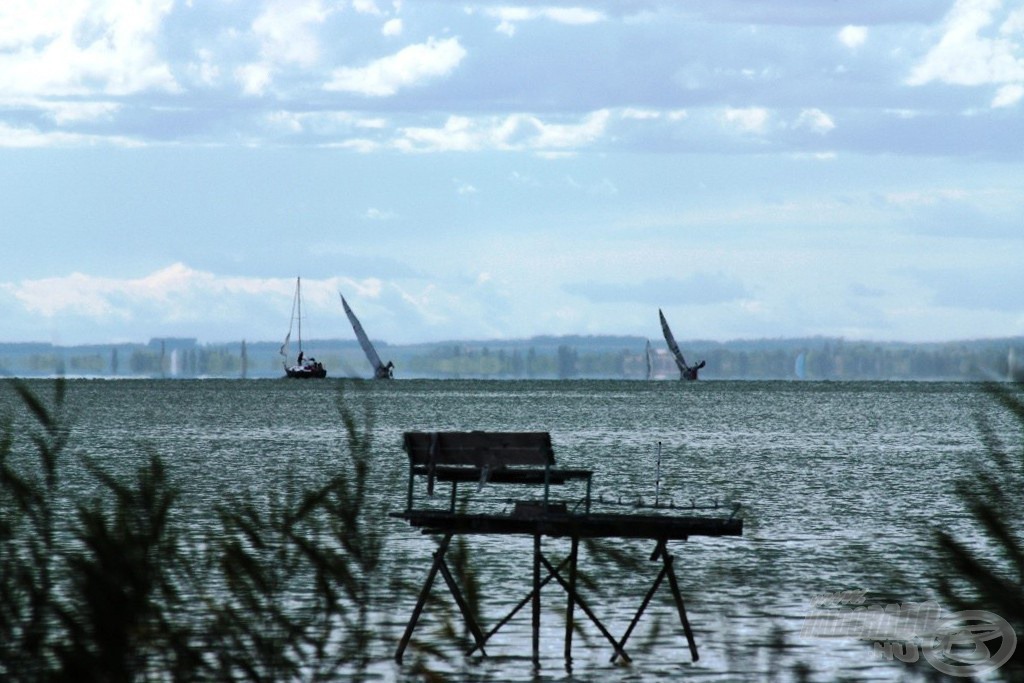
<point x="380" y="370"/>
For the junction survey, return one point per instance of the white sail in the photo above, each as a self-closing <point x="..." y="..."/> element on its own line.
<point x="379" y="369"/>
<point x="647" y="356"/>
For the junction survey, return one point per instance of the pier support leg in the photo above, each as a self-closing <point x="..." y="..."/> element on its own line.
<point x="536" y="600"/>
<point x="515" y="610"/>
<point x="586" y="610"/>
<point x="424" y="593"/>
<point x="679" y="604"/>
<point x="666" y="571"/>
<point x="640" y="612"/>
<point x="572" y="599"/>
<point x="467" y="614"/>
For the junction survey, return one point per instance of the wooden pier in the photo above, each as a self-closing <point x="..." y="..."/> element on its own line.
<point x="520" y="458"/>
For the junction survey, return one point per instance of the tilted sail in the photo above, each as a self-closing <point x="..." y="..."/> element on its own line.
<point x="379" y="369"/>
<point x="687" y="372"/>
<point x="671" y="341"/>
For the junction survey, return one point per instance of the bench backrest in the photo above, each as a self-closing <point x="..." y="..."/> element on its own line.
<point x="492" y="450"/>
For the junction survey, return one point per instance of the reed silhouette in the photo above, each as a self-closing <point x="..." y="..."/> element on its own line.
<point x="110" y="588"/>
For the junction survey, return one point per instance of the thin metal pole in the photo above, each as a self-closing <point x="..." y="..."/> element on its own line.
<point x="657" y="477"/>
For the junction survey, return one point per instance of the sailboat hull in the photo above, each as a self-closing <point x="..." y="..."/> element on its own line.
<point x="298" y="372"/>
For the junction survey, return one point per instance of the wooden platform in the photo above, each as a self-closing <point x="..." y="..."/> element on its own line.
<point x="522" y="459"/>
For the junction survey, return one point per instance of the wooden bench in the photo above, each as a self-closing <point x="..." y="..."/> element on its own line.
<point x="486" y="457"/>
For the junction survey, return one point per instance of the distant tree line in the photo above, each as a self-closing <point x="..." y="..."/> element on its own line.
<point x="571" y="357"/>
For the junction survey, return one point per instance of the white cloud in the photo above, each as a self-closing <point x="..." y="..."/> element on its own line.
<point x="853" y="36"/>
<point x="1008" y="95"/>
<point x="964" y="56"/>
<point x="392" y="27"/>
<point x="172" y="294"/>
<point x="65" y="113"/>
<point x="816" y="120"/>
<point x="748" y="120"/>
<point x="30" y="137"/>
<point x="285" y="30"/>
<point x="254" y="78"/>
<point x="379" y="215"/>
<point x="205" y="71"/>
<point x="511" y="133"/>
<point x="640" y="114"/>
<point x="366" y="7"/>
<point x="408" y="67"/>
<point x="508" y="17"/>
<point x="69" y="47"/>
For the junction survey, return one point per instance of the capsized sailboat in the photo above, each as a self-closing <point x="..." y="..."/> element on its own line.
<point x="380" y="370"/>
<point x="685" y="371"/>
<point x="304" y="367"/>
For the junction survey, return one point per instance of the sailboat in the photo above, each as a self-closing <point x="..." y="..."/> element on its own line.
<point x="688" y="372"/>
<point x="304" y="367"/>
<point x="380" y="370"/>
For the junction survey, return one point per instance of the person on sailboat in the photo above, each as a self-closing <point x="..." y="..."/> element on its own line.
<point x="300" y="358"/>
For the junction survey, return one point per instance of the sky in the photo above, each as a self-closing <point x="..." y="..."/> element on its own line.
<point x="476" y="170"/>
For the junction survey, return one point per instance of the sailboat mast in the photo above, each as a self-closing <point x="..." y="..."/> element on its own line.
<point x="298" y="299"/>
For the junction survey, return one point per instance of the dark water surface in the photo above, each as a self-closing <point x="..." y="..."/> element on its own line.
<point x="842" y="485"/>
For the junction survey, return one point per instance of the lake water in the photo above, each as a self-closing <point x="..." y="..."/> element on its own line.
<point x="842" y="486"/>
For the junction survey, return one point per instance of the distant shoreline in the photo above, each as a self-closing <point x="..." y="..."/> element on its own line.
<point x="547" y="357"/>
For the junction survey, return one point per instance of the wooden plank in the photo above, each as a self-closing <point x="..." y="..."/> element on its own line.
<point x="568" y="525"/>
